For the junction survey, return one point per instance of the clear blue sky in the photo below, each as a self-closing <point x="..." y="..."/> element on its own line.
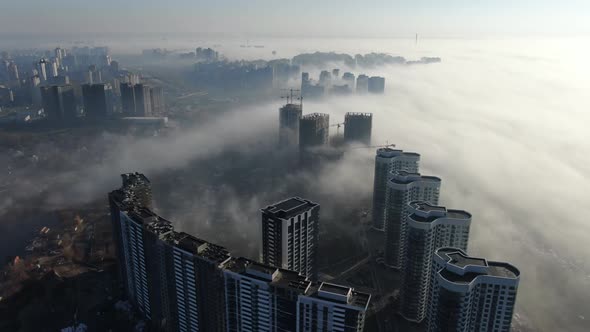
<point x="342" y="18"/>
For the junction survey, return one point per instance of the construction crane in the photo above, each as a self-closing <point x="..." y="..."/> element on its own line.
<point x="337" y="125"/>
<point x="386" y="145"/>
<point x="291" y="96"/>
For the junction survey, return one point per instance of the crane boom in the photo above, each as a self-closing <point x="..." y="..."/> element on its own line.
<point x="387" y="145"/>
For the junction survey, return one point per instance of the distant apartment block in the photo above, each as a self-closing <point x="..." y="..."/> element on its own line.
<point x="362" y="84"/>
<point x="376" y="84"/>
<point x="136" y="100"/>
<point x="59" y="102"/>
<point x="349" y="79"/>
<point x="98" y="100"/>
<point x="157" y="100"/>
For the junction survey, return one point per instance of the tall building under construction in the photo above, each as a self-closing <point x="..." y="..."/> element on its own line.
<point x="314" y="130"/>
<point x="357" y="127"/>
<point x="289" y="116"/>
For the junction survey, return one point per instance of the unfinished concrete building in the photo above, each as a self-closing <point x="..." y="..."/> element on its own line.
<point x="314" y="130"/>
<point x="289" y="116"/>
<point x="357" y="127"/>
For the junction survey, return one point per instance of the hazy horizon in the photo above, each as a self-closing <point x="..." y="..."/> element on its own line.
<point x="305" y="18"/>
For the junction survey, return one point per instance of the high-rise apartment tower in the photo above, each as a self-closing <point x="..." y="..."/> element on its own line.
<point x="403" y="188"/>
<point x="290" y="235"/>
<point x="471" y="294"/>
<point x="387" y="161"/>
<point x="429" y="227"/>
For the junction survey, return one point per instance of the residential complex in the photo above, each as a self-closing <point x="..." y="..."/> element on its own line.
<point x="181" y="283"/>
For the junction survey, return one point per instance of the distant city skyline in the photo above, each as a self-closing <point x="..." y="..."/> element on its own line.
<point x="329" y="18"/>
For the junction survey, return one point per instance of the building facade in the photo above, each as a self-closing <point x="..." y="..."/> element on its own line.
<point x="59" y="102"/>
<point x="362" y="84"/>
<point x="387" y="161"/>
<point x="403" y="188"/>
<point x="429" y="227"/>
<point x="332" y="308"/>
<point x="136" y="100"/>
<point x="376" y="84"/>
<point x="143" y="102"/>
<point x="358" y="127"/>
<point x="98" y="100"/>
<point x="263" y="298"/>
<point x="290" y="235"/>
<point x="127" y="99"/>
<point x="195" y="284"/>
<point x="471" y="294"/>
<point x="289" y="116"/>
<point x="314" y="130"/>
<point x="157" y="100"/>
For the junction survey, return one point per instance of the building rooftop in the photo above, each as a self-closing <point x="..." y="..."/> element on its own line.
<point x="463" y="269"/>
<point x="426" y="212"/>
<point x="314" y="116"/>
<point x="289" y="207"/>
<point x="291" y="280"/>
<point x="392" y="153"/>
<point x="132" y="178"/>
<point x="404" y="177"/>
<point x="358" y="115"/>
<point x="461" y="260"/>
<point x="360" y="299"/>
<point x="339" y="293"/>
<point x="335" y="289"/>
<point x="198" y="247"/>
<point x="295" y="107"/>
<point x="275" y="277"/>
<point x="427" y="207"/>
<point x="259" y="267"/>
